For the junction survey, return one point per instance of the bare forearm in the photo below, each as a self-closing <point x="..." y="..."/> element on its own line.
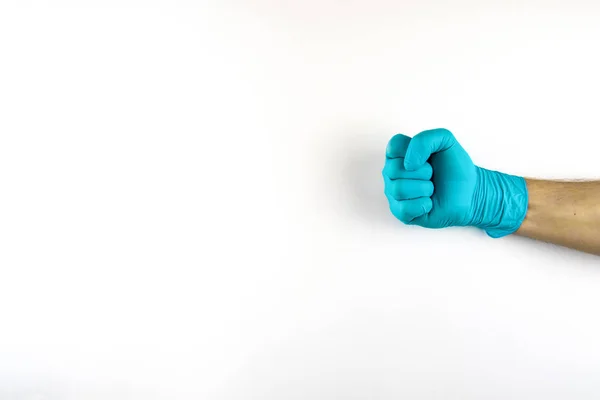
<point x="564" y="213"/>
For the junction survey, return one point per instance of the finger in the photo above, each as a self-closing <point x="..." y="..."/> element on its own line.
<point x="408" y="210"/>
<point x="426" y="143"/>
<point x="397" y="146"/>
<point x="394" y="169"/>
<point x="425" y="221"/>
<point x="405" y="189"/>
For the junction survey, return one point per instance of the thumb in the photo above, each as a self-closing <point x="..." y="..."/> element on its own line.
<point x="426" y="143"/>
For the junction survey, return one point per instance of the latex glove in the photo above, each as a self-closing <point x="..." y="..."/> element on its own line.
<point x="431" y="181"/>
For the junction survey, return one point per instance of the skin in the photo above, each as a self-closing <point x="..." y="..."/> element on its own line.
<point x="564" y="213"/>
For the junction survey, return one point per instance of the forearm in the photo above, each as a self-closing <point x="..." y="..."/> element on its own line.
<point x="564" y="213"/>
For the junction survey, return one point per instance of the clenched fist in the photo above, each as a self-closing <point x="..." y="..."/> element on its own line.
<point x="431" y="181"/>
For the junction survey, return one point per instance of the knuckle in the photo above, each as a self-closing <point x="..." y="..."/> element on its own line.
<point x="400" y="212"/>
<point x="393" y="168"/>
<point x="400" y="136"/>
<point x="397" y="164"/>
<point x="428" y="170"/>
<point x="403" y="214"/>
<point x="398" y="189"/>
<point x="426" y="205"/>
<point x="429" y="188"/>
<point x="446" y="131"/>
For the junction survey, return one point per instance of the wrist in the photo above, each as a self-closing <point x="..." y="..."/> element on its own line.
<point x="499" y="202"/>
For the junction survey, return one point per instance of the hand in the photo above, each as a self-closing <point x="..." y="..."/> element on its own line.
<point x="431" y="181"/>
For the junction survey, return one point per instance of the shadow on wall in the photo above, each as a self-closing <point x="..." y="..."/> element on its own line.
<point x="358" y="176"/>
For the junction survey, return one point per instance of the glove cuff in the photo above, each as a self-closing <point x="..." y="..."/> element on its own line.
<point x="500" y="202"/>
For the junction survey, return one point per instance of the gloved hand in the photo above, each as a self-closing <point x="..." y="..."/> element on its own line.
<point x="431" y="181"/>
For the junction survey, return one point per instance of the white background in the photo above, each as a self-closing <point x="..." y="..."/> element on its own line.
<point x="191" y="204"/>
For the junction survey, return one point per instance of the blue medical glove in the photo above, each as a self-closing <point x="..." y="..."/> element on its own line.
<point x="431" y="181"/>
